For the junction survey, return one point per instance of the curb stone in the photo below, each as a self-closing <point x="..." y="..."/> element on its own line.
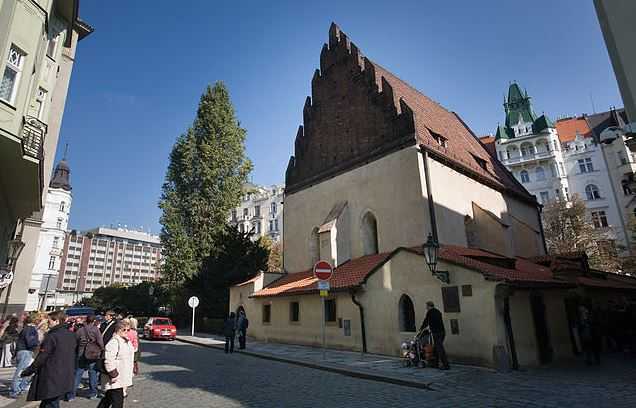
<point x="324" y="367"/>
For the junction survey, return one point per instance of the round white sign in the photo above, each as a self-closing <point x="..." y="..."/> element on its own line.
<point x="193" y="302"/>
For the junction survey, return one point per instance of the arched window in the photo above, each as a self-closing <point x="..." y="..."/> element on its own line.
<point x="527" y="149"/>
<point x="314" y="246"/>
<point x="369" y="234"/>
<point x="539" y="173"/>
<point x="591" y="192"/>
<point x="407" y="314"/>
<point x="525" y="178"/>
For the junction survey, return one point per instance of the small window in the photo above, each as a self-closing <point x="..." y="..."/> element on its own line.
<point x="599" y="219"/>
<point x="539" y="173"/>
<point x="274" y="209"/>
<point x="257" y="226"/>
<point x="330" y="310"/>
<point x="467" y="290"/>
<point x="454" y="324"/>
<point x="234" y="215"/>
<point x="294" y="312"/>
<point x="545" y="197"/>
<point x="525" y="177"/>
<point x="567" y="193"/>
<point x="257" y="211"/>
<point x="369" y="234"/>
<point x="52" y="262"/>
<point x="12" y="73"/>
<point x="441" y="140"/>
<point x="267" y="313"/>
<point x="56" y="242"/>
<point x="246" y="213"/>
<point x="62" y="206"/>
<point x="58" y="224"/>
<point x="585" y="165"/>
<point x="407" y="314"/>
<point x="40" y="103"/>
<point x="275" y="225"/>
<point x="592" y="193"/>
<point x="450" y="297"/>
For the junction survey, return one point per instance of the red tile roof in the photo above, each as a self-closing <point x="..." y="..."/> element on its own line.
<point x="568" y="128"/>
<point x="353" y="273"/>
<point x="463" y="146"/>
<point x="350" y="274"/>
<point x="249" y="280"/>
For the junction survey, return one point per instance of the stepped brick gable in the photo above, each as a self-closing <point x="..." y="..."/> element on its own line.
<point x="359" y="112"/>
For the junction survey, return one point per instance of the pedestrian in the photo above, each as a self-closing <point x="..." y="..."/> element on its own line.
<point x="42" y="325"/>
<point x="229" y="331"/>
<point x="26" y="344"/>
<point x="89" y="350"/>
<point x="133" y="336"/>
<point x="118" y="362"/>
<point x="54" y="366"/>
<point x="108" y="326"/>
<point x="435" y="324"/>
<point x="8" y="339"/>
<point x="241" y="324"/>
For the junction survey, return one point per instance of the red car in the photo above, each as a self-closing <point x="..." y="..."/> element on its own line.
<point x="160" y="328"/>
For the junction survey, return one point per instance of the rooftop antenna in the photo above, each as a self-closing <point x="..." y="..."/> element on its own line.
<point x="65" y="152"/>
<point x="592" y="100"/>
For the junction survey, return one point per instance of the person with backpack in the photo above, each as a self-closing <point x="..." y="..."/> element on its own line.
<point x="89" y="350"/>
<point x="27" y="343"/>
<point x="241" y="324"/>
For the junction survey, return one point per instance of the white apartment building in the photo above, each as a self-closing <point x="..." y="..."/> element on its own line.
<point x="260" y="211"/>
<point x="558" y="160"/>
<point x="52" y="239"/>
<point x="104" y="256"/>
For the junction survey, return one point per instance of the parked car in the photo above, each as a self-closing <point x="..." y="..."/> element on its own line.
<point x="160" y="328"/>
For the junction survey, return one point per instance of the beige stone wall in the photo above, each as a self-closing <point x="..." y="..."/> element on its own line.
<point x="408" y="274"/>
<point x="307" y="330"/>
<point x="389" y="187"/>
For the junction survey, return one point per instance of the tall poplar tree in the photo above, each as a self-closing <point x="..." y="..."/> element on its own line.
<point x="207" y="170"/>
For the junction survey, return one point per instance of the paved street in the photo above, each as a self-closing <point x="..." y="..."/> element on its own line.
<point x="182" y="375"/>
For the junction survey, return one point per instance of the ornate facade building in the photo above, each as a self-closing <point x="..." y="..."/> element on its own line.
<point x="52" y="239"/>
<point x="572" y="156"/>
<point x="260" y="211"/>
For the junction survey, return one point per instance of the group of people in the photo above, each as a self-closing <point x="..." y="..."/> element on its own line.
<point x="52" y="352"/>
<point x="231" y="326"/>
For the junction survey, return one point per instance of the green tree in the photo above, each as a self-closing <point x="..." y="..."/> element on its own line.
<point x="203" y="183"/>
<point x="237" y="259"/>
<point x="568" y="228"/>
<point x="275" y="259"/>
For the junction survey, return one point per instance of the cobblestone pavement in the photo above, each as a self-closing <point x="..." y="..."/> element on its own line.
<point x="179" y="375"/>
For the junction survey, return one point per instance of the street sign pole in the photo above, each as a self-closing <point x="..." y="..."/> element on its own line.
<point x="322" y="302"/>
<point x="193" y="309"/>
<point x="193" y="302"/>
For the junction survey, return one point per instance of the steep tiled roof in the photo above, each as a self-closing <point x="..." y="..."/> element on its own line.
<point x="568" y="128"/>
<point x="489" y="144"/>
<point x="463" y="147"/>
<point x="350" y="274"/>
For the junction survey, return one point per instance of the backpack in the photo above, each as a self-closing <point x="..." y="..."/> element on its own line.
<point x="31" y="339"/>
<point x="92" y="350"/>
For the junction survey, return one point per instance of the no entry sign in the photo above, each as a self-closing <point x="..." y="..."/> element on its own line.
<point x="323" y="270"/>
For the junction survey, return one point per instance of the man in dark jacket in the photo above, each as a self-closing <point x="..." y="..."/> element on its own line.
<point x="241" y="325"/>
<point x="90" y="348"/>
<point x="229" y="331"/>
<point x="108" y="327"/>
<point x="435" y="324"/>
<point x="54" y="366"/>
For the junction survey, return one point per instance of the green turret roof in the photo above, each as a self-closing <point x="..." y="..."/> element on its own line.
<point x="518" y="108"/>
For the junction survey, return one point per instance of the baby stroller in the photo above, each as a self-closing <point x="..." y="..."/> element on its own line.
<point x="418" y="351"/>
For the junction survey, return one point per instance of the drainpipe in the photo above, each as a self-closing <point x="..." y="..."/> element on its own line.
<point x="429" y="191"/>
<point x="362" y="327"/>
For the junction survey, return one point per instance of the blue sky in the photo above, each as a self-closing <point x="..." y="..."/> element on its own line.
<point x="138" y="78"/>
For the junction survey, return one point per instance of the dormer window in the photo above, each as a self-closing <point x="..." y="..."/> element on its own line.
<point x="441" y="140"/>
<point x="481" y="162"/>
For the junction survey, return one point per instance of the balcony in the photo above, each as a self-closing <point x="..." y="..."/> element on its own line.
<point x="527" y="158"/>
<point x="21" y="167"/>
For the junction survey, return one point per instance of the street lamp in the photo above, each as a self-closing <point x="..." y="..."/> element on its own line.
<point x="15" y="248"/>
<point x="431" y="252"/>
